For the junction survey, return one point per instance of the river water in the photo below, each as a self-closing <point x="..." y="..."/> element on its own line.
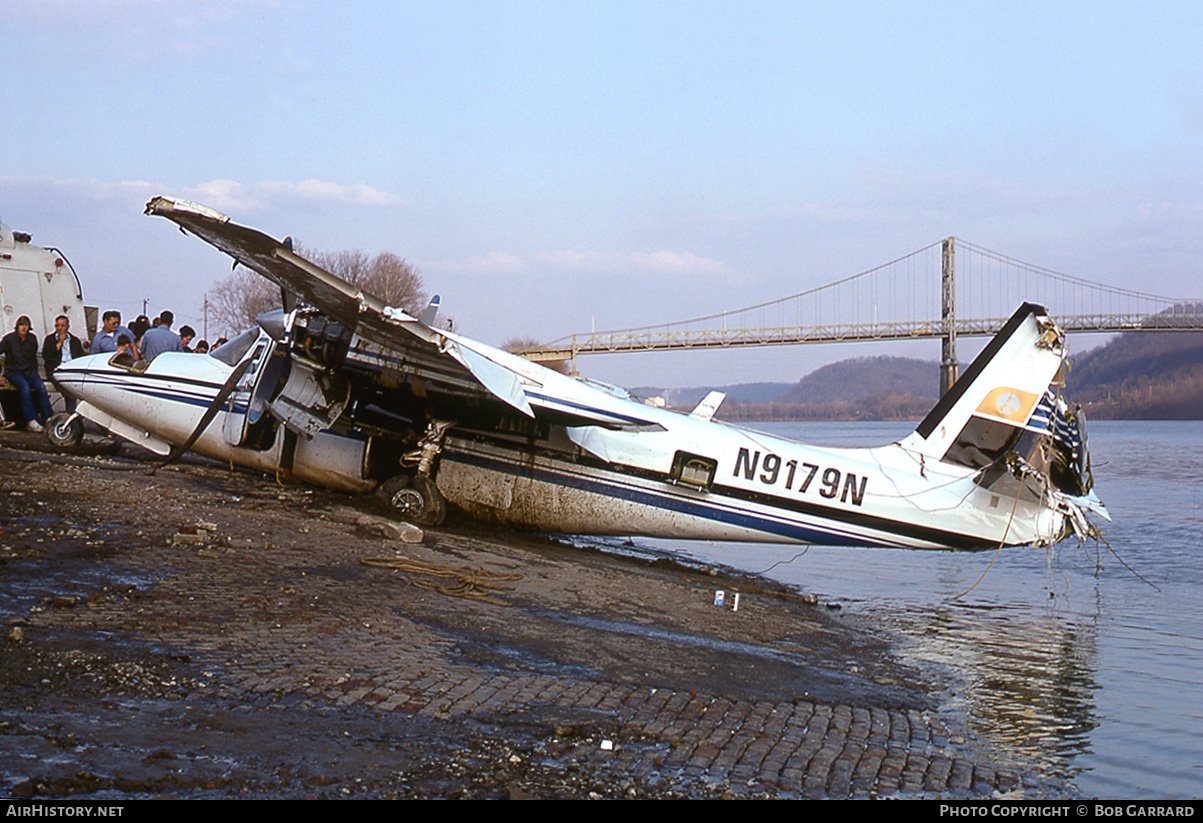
<point x="1065" y="659"/>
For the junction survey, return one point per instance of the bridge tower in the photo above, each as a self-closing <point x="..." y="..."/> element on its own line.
<point x="948" y="316"/>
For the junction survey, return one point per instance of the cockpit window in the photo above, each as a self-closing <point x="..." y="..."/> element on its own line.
<point x="232" y="351"/>
<point x="125" y="360"/>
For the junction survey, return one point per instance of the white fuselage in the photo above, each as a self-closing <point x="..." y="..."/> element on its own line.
<point x="765" y="489"/>
<point x="348" y="391"/>
<point x="745" y="485"/>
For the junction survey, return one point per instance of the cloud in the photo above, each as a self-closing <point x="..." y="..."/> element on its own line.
<point x="354" y="194"/>
<point x="497" y="262"/>
<point x="224" y="195"/>
<point x="676" y="262"/>
<point x="140" y="30"/>
<point x="663" y="261"/>
<point x="232" y="196"/>
<point x="1171" y="211"/>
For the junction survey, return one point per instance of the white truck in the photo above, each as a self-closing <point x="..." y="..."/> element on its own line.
<point x="42" y="284"/>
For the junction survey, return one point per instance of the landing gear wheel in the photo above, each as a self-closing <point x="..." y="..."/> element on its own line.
<point x="65" y="431"/>
<point x="415" y="499"/>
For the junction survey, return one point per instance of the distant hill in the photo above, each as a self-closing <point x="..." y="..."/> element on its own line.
<point x="863" y="388"/>
<point x="863" y="377"/>
<point x="738" y="393"/>
<point x="1142" y="376"/>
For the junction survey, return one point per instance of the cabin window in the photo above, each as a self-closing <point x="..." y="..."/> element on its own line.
<point x="693" y="470"/>
<point x="125" y="360"/>
<point x="231" y="351"/>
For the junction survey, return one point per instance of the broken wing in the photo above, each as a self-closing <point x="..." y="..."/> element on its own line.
<point x="441" y="358"/>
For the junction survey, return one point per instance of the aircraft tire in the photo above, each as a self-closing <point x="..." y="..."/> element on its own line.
<point x="63" y="432"/>
<point x="414" y="499"/>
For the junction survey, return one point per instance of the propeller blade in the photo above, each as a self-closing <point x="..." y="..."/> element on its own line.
<point x="227" y="389"/>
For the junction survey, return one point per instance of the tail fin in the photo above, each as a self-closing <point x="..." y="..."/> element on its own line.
<point x="431" y="313"/>
<point x="709" y="405"/>
<point x="994" y="401"/>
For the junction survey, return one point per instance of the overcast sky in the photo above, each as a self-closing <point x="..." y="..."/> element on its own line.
<point x="555" y="166"/>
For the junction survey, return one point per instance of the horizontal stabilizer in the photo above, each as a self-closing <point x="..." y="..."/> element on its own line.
<point x="709" y="405"/>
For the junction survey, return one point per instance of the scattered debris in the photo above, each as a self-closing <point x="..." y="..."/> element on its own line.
<point x="200" y="533"/>
<point x="394" y="529"/>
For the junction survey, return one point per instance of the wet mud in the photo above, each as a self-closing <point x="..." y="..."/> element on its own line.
<point x="208" y="633"/>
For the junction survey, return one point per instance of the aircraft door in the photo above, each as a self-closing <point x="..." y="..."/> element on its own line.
<point x="245" y="418"/>
<point x="272" y="375"/>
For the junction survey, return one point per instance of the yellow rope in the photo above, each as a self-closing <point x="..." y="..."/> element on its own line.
<point x="474" y="584"/>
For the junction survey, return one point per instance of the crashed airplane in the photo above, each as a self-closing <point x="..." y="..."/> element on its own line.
<point x="347" y="392"/>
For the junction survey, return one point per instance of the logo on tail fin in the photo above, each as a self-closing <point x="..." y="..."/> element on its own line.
<point x="1008" y="404"/>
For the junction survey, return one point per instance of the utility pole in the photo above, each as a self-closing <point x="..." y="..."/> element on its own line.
<point x="205" y="323"/>
<point x="145" y="301"/>
<point x="948" y="316"/>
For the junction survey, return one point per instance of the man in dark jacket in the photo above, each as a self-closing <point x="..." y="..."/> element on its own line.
<point x="20" y="350"/>
<point x="61" y="346"/>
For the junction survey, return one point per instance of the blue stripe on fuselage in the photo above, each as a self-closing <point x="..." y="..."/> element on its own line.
<point x="715" y="511"/>
<point x="150" y="386"/>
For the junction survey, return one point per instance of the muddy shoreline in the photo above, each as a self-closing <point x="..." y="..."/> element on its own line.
<point x="203" y="633"/>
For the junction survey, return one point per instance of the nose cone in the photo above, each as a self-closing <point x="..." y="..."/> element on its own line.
<point x="272" y="322"/>
<point x="71" y="377"/>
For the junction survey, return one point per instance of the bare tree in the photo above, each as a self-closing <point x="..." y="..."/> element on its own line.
<point x="239" y="298"/>
<point x="387" y="276"/>
<point x="396" y="282"/>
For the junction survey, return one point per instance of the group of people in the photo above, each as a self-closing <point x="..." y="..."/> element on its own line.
<point x="144" y="340"/>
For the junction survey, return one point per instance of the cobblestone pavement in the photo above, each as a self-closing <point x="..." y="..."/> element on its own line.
<point x="584" y="675"/>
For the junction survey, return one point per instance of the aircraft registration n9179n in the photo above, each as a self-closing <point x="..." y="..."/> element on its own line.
<point x="347" y="392"/>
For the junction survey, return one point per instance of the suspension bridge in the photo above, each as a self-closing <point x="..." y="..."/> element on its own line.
<point x="947" y="289"/>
